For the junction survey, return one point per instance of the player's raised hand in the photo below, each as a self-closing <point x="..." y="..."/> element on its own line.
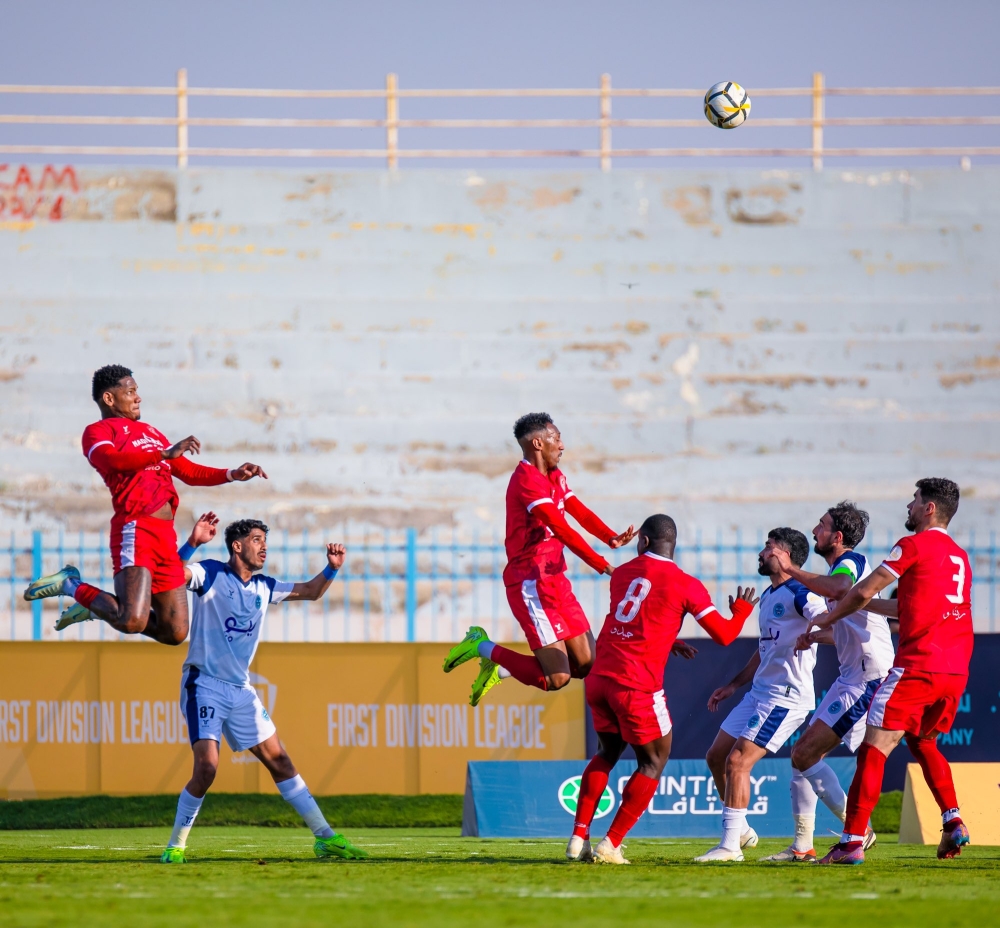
<point x="781" y="558"/>
<point x="683" y="649"/>
<point x="335" y="555"/>
<point x="720" y="695"/>
<point x="746" y="595"/>
<point x="248" y="472"/>
<point x="204" y="529"/>
<point x="623" y="539"/>
<point x="185" y="445"/>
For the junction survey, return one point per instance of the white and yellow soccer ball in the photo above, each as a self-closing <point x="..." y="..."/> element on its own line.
<point x="727" y="105"/>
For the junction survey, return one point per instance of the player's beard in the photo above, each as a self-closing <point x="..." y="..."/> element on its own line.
<point x="822" y="550"/>
<point x="763" y="569"/>
<point x="910" y="525"/>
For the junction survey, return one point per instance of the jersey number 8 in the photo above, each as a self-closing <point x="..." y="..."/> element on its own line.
<point x="637" y="591"/>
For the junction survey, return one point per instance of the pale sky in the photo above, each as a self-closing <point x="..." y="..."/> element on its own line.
<point x="442" y="43"/>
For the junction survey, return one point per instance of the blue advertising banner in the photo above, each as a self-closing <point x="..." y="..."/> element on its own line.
<point x="975" y="736"/>
<point x="537" y="799"/>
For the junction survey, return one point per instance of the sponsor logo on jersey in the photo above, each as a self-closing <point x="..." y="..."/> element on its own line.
<point x="257" y="602"/>
<point x="895" y="554"/>
<point x="569" y="794"/>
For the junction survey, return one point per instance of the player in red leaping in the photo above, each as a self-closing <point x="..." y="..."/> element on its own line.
<point x="920" y="696"/>
<point x="138" y="465"/>
<point x="650" y="595"/>
<point x="538" y="590"/>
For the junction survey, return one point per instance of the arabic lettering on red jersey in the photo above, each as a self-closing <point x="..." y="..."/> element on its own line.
<point x="136" y="493"/>
<point x="532" y="550"/>
<point x="935" y="602"/>
<point x="650" y="595"/>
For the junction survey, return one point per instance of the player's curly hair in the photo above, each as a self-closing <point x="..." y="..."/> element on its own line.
<point x="850" y="521"/>
<point x="531" y="423"/>
<point x="794" y="541"/>
<point x="237" y="531"/>
<point x="107" y="377"/>
<point x="941" y="491"/>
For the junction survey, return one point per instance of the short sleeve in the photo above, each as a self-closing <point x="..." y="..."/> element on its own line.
<point x="808" y="604"/>
<point x="203" y="574"/>
<point x="95" y="435"/>
<point x="901" y="558"/>
<point x="849" y="564"/>
<point x="697" y="601"/>
<point x="531" y="488"/>
<point x="280" y="589"/>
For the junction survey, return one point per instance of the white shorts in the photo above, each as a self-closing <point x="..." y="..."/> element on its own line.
<point x="214" y="708"/>
<point x="765" y="724"/>
<point x="845" y="709"/>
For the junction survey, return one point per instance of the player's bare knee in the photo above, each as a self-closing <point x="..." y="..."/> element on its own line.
<point x="131" y="624"/>
<point x="175" y="634"/>
<point x="556" y="681"/>
<point x="581" y="670"/>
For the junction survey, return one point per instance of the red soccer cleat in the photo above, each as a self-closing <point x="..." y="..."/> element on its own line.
<point x="853" y="854"/>
<point x="953" y="841"/>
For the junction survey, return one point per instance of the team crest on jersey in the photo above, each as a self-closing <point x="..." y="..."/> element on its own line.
<point x="779" y="610"/>
<point x="754" y="721"/>
<point x="835" y="707"/>
<point x="257" y="602"/>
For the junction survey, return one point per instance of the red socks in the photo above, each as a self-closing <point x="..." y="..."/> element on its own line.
<point x="635" y="798"/>
<point x="936" y="770"/>
<point x="523" y="667"/>
<point x="592" y="784"/>
<point x="85" y="594"/>
<point x="866" y="787"/>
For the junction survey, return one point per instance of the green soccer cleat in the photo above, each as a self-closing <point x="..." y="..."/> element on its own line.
<point x="338" y="846"/>
<point x="489" y="676"/>
<point x="52" y="585"/>
<point x="173" y="855"/>
<point x="75" y="613"/>
<point x="466" y="649"/>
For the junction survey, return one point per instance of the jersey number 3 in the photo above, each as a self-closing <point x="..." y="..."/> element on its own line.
<point x="959" y="579"/>
<point x="637" y="591"/>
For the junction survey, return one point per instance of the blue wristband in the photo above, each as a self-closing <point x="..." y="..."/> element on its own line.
<point x="329" y="572"/>
<point x="186" y="550"/>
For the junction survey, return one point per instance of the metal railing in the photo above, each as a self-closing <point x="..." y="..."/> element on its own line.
<point x="391" y="122"/>
<point x="405" y="586"/>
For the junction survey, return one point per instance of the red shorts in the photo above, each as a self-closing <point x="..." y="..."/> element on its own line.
<point x="150" y="543"/>
<point x="637" y="716"/>
<point x="547" y="610"/>
<point x="917" y="701"/>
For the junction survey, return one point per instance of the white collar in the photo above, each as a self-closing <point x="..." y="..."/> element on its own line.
<point x="657" y="557"/>
<point x="936" y="528"/>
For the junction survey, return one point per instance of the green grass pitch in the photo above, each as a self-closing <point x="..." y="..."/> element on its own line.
<point x="254" y="875"/>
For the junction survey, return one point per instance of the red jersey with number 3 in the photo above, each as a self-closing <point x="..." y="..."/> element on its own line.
<point x="136" y="493"/>
<point x="935" y="608"/>
<point x="650" y="595"/>
<point x="533" y="552"/>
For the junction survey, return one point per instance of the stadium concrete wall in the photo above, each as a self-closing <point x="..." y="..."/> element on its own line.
<point x="738" y="348"/>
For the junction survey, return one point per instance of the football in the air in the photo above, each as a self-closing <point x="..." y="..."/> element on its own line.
<point x="727" y="105"/>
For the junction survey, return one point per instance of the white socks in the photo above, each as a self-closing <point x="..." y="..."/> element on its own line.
<point x="485" y="649"/>
<point x="296" y="794"/>
<point x="949" y="815"/>
<point x="803" y="811"/>
<point x="503" y="673"/>
<point x="827" y="787"/>
<point x="187" y="812"/>
<point x="734" y="823"/>
<point x="69" y="586"/>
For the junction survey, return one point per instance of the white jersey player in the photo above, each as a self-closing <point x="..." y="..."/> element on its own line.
<point x="780" y="699"/>
<point x="865" y="652"/>
<point x="229" y="608"/>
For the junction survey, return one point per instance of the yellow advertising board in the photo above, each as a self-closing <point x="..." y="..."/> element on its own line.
<point x="978" y="790"/>
<point x="94" y="717"/>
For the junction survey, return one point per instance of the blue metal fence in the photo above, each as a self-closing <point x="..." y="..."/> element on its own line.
<point x="401" y="585"/>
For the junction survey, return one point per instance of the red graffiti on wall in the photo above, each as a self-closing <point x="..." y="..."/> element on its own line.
<point x="39" y="196"/>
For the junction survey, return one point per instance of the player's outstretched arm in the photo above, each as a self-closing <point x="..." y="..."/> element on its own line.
<point x="725" y="631"/>
<point x="741" y="679"/>
<point x="556" y="521"/>
<point x="830" y="586"/>
<point x="203" y="532"/>
<point x="314" y="589"/>
<point x="591" y="523"/>
<point x="858" y="597"/>
<point x="887" y="607"/>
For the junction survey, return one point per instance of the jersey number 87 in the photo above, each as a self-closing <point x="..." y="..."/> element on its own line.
<point x="628" y="608"/>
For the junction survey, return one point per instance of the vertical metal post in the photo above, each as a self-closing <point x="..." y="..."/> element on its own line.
<point x="36" y="571"/>
<point x="182" y="117"/>
<point x="411" y="584"/>
<point x="391" y="122"/>
<point x="817" y="120"/>
<point x="605" y="122"/>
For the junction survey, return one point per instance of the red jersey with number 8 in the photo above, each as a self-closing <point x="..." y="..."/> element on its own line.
<point x="650" y="595"/>
<point x="935" y="610"/>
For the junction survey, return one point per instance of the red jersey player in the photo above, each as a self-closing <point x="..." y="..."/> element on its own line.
<point x="538" y="590"/>
<point x="650" y="595"/>
<point x="138" y="465"/>
<point x="919" y="697"/>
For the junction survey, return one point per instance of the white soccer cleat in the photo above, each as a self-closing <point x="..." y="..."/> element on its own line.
<point x="748" y="839"/>
<point x="75" y="613"/>
<point x="791" y="856"/>
<point x="719" y="854"/>
<point x="607" y="853"/>
<point x="870" y="839"/>
<point x="579" y="849"/>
